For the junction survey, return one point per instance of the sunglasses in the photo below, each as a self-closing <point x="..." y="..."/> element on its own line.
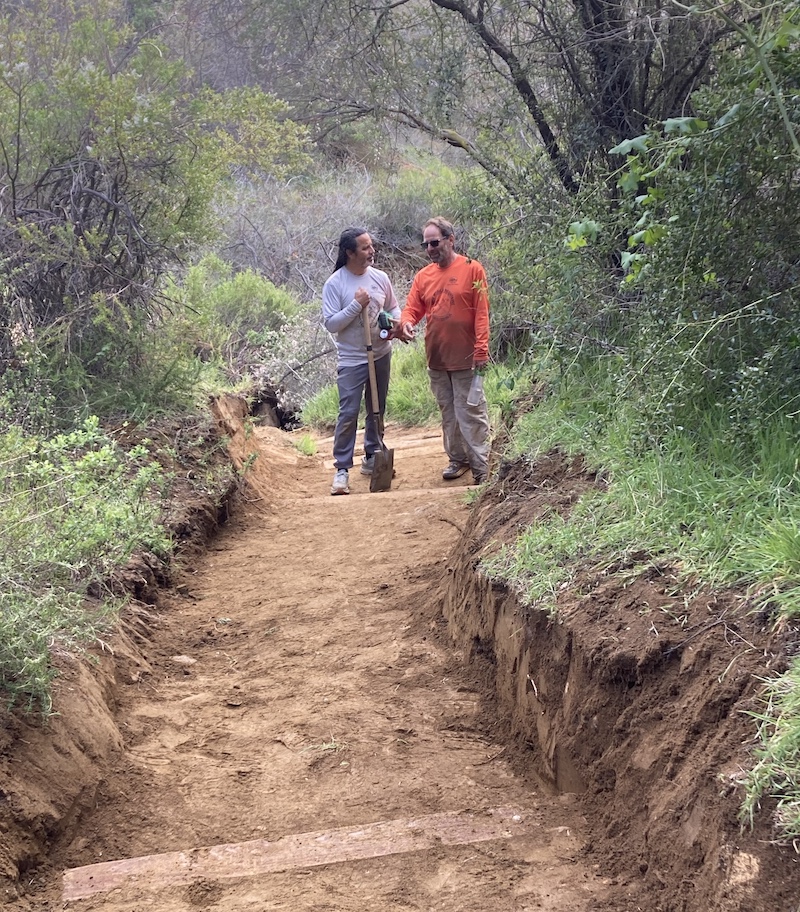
<point x="426" y="244"/>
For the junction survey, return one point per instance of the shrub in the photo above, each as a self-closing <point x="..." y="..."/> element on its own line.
<point x="75" y="507"/>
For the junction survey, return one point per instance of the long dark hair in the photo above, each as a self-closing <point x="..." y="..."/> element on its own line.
<point x="347" y="241"/>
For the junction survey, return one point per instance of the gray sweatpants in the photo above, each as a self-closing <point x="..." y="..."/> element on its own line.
<point x="353" y="384"/>
<point x="465" y="428"/>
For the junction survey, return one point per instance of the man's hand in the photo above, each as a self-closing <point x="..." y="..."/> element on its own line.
<point x="404" y="332"/>
<point x="479" y="365"/>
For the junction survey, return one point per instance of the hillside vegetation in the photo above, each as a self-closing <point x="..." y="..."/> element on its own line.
<point x="174" y="180"/>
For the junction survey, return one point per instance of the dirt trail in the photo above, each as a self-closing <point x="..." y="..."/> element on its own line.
<point x="296" y="696"/>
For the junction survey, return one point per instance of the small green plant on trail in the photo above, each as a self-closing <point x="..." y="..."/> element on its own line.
<point x="306" y="445"/>
<point x="75" y="507"/>
<point x="249" y="462"/>
<point x="331" y="745"/>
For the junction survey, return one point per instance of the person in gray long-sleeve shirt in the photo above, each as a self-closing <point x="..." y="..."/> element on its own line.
<point x="357" y="291"/>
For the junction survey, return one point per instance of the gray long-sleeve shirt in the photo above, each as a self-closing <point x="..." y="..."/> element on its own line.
<point x="341" y="313"/>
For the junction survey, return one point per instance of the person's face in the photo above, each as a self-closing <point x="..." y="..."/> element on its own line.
<point x="439" y="248"/>
<point x="363" y="256"/>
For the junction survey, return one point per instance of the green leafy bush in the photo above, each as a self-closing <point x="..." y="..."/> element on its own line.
<point x="75" y="507"/>
<point x="113" y="161"/>
<point x="711" y="250"/>
<point x="227" y="318"/>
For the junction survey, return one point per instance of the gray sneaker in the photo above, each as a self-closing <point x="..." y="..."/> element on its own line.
<point x="341" y="482"/>
<point x="367" y="464"/>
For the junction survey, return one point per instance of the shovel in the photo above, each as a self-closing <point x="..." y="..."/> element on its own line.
<point x="383" y="470"/>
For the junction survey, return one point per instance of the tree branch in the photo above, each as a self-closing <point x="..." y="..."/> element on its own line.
<point x="521" y="84"/>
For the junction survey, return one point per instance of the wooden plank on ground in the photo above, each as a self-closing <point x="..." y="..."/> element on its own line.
<point x="259" y="856"/>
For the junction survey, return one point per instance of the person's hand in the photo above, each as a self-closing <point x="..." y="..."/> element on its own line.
<point x="404" y="332"/>
<point x="479" y="365"/>
<point x="362" y="296"/>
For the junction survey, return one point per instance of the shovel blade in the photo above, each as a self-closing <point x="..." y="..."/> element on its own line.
<point x="382" y="472"/>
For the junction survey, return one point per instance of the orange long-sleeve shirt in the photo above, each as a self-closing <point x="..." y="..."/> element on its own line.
<point x="455" y="301"/>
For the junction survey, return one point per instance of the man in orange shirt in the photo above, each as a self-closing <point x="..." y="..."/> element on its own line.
<point x="451" y="294"/>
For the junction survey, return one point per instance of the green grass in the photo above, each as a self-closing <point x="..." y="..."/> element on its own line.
<point x="306" y="445"/>
<point x="777" y="768"/>
<point x="410" y="401"/>
<point x="74" y="508"/>
<point x="320" y="411"/>
<point x="721" y="521"/>
<point x="538" y="562"/>
<point x="722" y="509"/>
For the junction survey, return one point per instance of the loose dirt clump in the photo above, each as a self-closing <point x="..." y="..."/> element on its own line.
<point x="329" y="706"/>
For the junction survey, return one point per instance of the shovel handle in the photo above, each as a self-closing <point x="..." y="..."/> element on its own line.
<point x="373" y="384"/>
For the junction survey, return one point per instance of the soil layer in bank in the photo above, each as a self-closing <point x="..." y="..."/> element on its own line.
<point x="336" y="674"/>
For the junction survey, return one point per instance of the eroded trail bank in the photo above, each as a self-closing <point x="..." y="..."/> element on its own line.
<point x="296" y="733"/>
<point x="334" y="709"/>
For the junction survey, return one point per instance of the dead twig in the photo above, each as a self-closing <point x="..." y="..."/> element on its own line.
<point x="489" y="759"/>
<point x="698" y="631"/>
<point x="452" y="523"/>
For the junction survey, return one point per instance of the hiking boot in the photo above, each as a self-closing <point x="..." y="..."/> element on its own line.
<point x="479" y="477"/>
<point x="341" y="482"/>
<point x="455" y="470"/>
<point x="367" y="464"/>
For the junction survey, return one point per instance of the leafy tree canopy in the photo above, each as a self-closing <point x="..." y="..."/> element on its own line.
<point x="110" y="160"/>
<point x="524" y="88"/>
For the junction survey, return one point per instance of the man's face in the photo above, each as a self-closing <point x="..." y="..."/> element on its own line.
<point x="363" y="256"/>
<point x="439" y="248"/>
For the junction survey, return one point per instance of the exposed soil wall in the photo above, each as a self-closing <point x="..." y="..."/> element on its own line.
<point x="635" y="698"/>
<point x="50" y="771"/>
